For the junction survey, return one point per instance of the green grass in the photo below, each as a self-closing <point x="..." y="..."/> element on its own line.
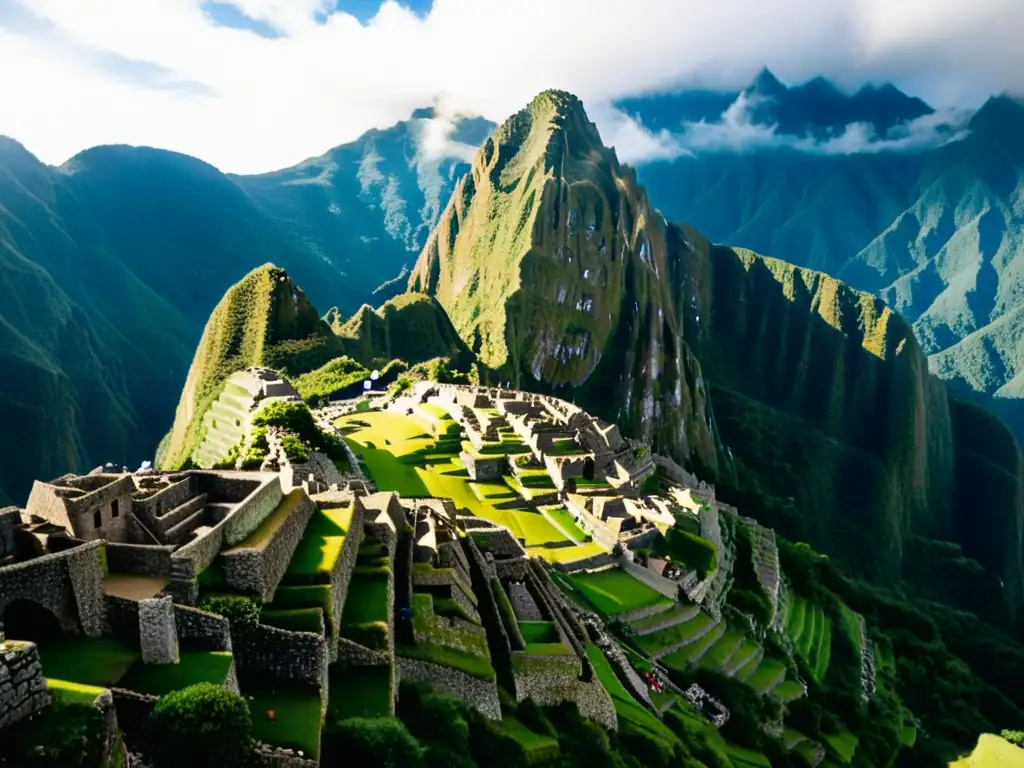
<point x="98" y="661"/>
<point x="992" y="752"/>
<point x="626" y="707"/>
<point x="296" y="723"/>
<point x="320" y="547"/>
<point x="650" y="621"/>
<point x="294" y="619"/>
<point x="400" y="456"/>
<point x="811" y="632"/>
<point x="538" y="631"/>
<point x="788" y="690"/>
<point x="664" y="638"/>
<point x="72" y="693"/>
<point x="366" y="600"/>
<point x="195" y="667"/>
<point x="614" y="591"/>
<point x="311" y="596"/>
<point x="765" y="674"/>
<point x="358" y="692"/>
<point x="843" y="745"/>
<point x="692" y="651"/>
<point x="561" y="516"/>
<point x="532" y="743"/>
<point x="471" y="664"/>
<point x="723" y="649"/>
<point x="548" y="649"/>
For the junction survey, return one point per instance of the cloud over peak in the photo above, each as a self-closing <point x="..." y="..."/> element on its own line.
<point x="249" y="101"/>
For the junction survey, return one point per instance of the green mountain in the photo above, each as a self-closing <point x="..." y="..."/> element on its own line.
<point x="935" y="232"/>
<point x="128" y="250"/>
<point x="557" y="272"/>
<point x="266" y="320"/>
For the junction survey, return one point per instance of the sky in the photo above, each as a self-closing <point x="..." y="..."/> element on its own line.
<point x="257" y="85"/>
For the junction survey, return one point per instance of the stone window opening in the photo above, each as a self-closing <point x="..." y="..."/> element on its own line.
<point x="114" y="512"/>
<point x="97" y="519"/>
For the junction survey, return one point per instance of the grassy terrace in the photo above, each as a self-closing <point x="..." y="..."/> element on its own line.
<point x="682" y="632"/>
<point x="263" y="535"/>
<point x="358" y="692"/>
<point x="566" y="522"/>
<point x="811" y="632"/>
<point x="320" y="547"/>
<point x="614" y="591"/>
<point x="535" y="745"/>
<point x="627" y="708"/>
<point x="196" y="667"/>
<point x="296" y="723"/>
<point x="400" y="455"/>
<point x="100" y="661"/>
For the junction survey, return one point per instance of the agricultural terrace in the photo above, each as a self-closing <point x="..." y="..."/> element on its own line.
<point x="416" y="457"/>
<point x="613" y="591"/>
<point x="810" y="630"/>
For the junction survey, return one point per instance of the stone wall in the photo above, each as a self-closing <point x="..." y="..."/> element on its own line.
<point x="319" y="466"/>
<point x="480" y="694"/>
<point x="105" y="704"/>
<point x="667" y="587"/>
<point x="544" y="678"/>
<point x="260" y="570"/>
<point x="593" y="562"/>
<point x="144" y="560"/>
<point x="132" y="710"/>
<point x="341" y="575"/>
<point x="358" y="655"/>
<point x="10" y="518"/>
<point x="266" y="756"/>
<point x="22" y="685"/>
<point x="483" y="467"/>
<point x="269" y="654"/>
<point x="75" y="503"/>
<point x="158" y="637"/>
<point x="123" y="620"/>
<point x="69" y="584"/>
<point x="86" y="571"/>
<point x="201" y="631"/>
<point x="252" y="510"/>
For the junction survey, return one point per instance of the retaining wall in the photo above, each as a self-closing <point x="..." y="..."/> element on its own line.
<point x="667" y="587"/>
<point x="480" y="694"/>
<point x="22" y="685"/>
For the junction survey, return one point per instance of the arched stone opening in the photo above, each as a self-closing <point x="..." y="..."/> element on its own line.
<point x="29" y="620"/>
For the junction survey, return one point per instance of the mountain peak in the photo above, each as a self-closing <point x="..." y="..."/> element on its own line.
<point x="555" y="102"/>
<point x="765" y="84"/>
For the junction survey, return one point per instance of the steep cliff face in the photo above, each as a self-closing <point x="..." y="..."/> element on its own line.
<point x="558" y="273"/>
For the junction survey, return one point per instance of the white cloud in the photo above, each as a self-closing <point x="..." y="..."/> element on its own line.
<point x="737" y="132"/>
<point x="247" y="103"/>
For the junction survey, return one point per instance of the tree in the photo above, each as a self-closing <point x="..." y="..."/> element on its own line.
<point x="378" y="741"/>
<point x="202" y="726"/>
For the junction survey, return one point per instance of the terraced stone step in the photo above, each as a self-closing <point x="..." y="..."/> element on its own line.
<point x="646" y="612"/>
<point x="665" y="619"/>
<point x="695" y="637"/>
<point x="747" y="650"/>
<point x="750" y="666"/>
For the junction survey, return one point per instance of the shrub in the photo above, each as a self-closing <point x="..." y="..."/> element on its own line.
<point x="239" y="610"/>
<point x="651" y="484"/>
<point x="1014" y="737"/>
<point x="378" y="741"/>
<point x="294" y="449"/>
<point x="202" y="725"/>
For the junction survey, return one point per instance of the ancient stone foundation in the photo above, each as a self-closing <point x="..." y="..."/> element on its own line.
<point x="22" y="686"/>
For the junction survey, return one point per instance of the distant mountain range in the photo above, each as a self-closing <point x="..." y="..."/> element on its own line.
<point x="934" y="229"/>
<point x="111" y="264"/>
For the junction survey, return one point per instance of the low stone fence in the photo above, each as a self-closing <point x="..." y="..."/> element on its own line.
<point x="667" y="587"/>
<point x="266" y="654"/>
<point x="266" y="756"/>
<point x="480" y="694"/>
<point x="132" y="711"/>
<point x="123" y="620"/>
<point x="200" y="630"/>
<point x="341" y="576"/>
<point x="140" y="559"/>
